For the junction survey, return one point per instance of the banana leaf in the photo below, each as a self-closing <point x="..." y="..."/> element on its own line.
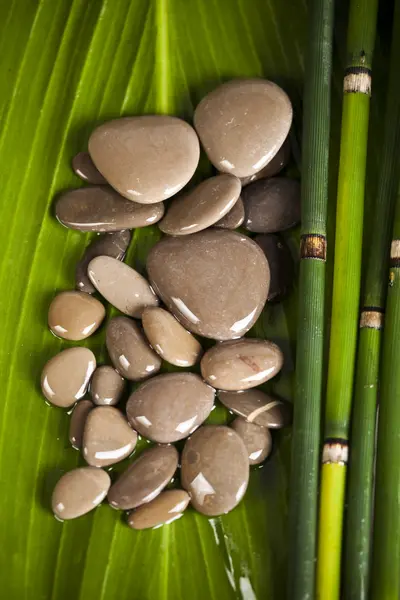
<point x="65" y="66"/>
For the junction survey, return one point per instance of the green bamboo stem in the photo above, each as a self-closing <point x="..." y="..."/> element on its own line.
<point x="385" y="580"/>
<point x="360" y="490"/>
<point x="307" y="408"/>
<point x="346" y="289"/>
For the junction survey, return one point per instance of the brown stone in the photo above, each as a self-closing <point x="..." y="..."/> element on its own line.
<point x="164" y="509"/>
<point x="234" y="218"/>
<point x="77" y="422"/>
<point x="274" y="167"/>
<point x="271" y="205"/>
<point x="257" y="439"/>
<point x="84" y="167"/>
<point x="280" y="263"/>
<point x="259" y="408"/>
<point x="106" y="386"/>
<point x="79" y="491"/>
<point x="75" y="315"/>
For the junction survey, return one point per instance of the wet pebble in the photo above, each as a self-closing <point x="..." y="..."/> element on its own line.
<point x="170" y="407"/>
<point x="202" y="206"/>
<point x="79" y="491"/>
<point x="107" y="438"/>
<point x="257" y="439"/>
<point x="271" y="205"/>
<point x="75" y="315"/>
<point x="259" y="408"/>
<point x="242" y="124"/>
<point x="102" y="209"/>
<point x="121" y="285"/>
<point x="241" y="364"/>
<point x="66" y="376"/>
<point x="215" y="469"/>
<point x="106" y="386"/>
<point x="84" y="167"/>
<point x="77" y="422"/>
<point x="145" y="478"/>
<point x="129" y="351"/>
<point x="164" y="509"/>
<point x="147" y="158"/>
<point x="215" y="282"/>
<point x="234" y="218"/>
<point x="107" y="244"/>
<point x="274" y="167"/>
<point x="280" y="263"/>
<point x="169" y="339"/>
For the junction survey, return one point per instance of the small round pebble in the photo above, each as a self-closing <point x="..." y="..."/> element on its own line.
<point x="214" y="282"/>
<point x="241" y="364"/>
<point x="242" y="124"/>
<point x="169" y="339"/>
<point x="215" y="469"/>
<point x="77" y="422"/>
<point x="234" y="218"/>
<point x="148" y="158"/>
<point x="145" y="478"/>
<point x="79" y="491"/>
<point x="164" y="509"/>
<point x="106" y="244"/>
<point x="106" y="386"/>
<point x="66" y="376"/>
<point x="102" y="209"/>
<point x="202" y="206"/>
<point x="271" y="205"/>
<point x="129" y="351"/>
<point x="84" y="167"/>
<point x="75" y="315"/>
<point x="121" y="286"/>
<point x="259" y="408"/>
<point x="257" y="439"/>
<point x="280" y="263"/>
<point x="169" y="407"/>
<point x="274" y="167"/>
<point x="107" y="438"/>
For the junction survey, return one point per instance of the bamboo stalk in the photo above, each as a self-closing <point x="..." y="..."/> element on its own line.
<point x="346" y="292"/>
<point x="307" y="407"/>
<point x="385" y="581"/>
<point x="360" y="492"/>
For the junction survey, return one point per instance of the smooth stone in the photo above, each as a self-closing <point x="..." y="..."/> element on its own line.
<point x="107" y="438"/>
<point x="242" y="124"/>
<point x="215" y="469"/>
<point x="164" y="509"/>
<point x="129" y="351"/>
<point x="234" y="218"/>
<point x="169" y="407"/>
<point x="121" y="286"/>
<point x="215" y="282"/>
<point x="201" y="207"/>
<point x="241" y="364"/>
<point x="169" y="339"/>
<point x="280" y="263"/>
<point x="84" y="167"/>
<point x="75" y="315"/>
<point x="145" y="478"/>
<point x="274" y="167"/>
<point x="102" y="209"/>
<point x="259" y="408"/>
<point x="79" y="491"/>
<point x="258" y="440"/>
<point x="106" y="386"/>
<point x="106" y="244"/>
<point x="77" y="422"/>
<point x="271" y="205"/>
<point x="146" y="159"/>
<point x="66" y="376"/>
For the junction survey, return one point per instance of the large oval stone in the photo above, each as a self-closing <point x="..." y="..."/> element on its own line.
<point x="148" y="158"/>
<point x="242" y="124"/>
<point x="215" y="469"/>
<point x="271" y="205"/>
<point x="170" y="407"/>
<point x="145" y="478"/>
<point x="215" y="282"/>
<point x="201" y="207"/>
<point x="241" y="364"/>
<point x="102" y="209"/>
<point x="79" y="491"/>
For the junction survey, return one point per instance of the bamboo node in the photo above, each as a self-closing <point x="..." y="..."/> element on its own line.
<point x="313" y="245"/>
<point x="335" y="451"/>
<point x="395" y="253"/>
<point x="371" y="318"/>
<point x="357" y="80"/>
